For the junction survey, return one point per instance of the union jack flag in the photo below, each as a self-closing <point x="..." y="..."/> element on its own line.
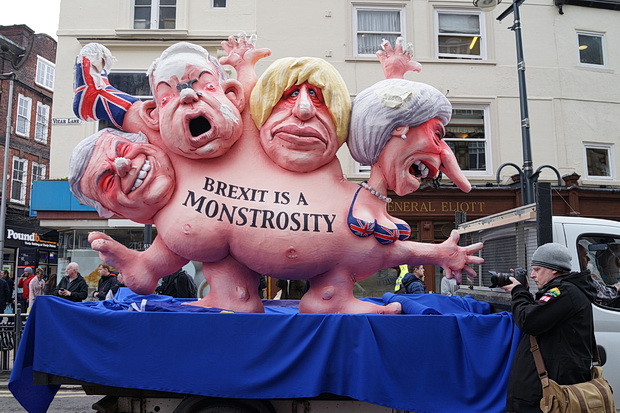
<point x="91" y="103"/>
<point x="386" y="235"/>
<point x="404" y="232"/>
<point x="360" y="227"/>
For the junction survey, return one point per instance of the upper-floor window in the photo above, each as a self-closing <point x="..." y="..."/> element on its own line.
<point x="466" y="136"/>
<point x="219" y="4"/>
<point x="599" y="161"/>
<point x="362" y="169"/>
<point x="24" y="108"/>
<point x="18" y="181"/>
<point x="591" y="48"/>
<point x="460" y="34"/>
<point x="133" y="83"/>
<point x="42" y="123"/>
<point x="373" y="24"/>
<point x="155" y="14"/>
<point x="45" y="73"/>
<point x="38" y="172"/>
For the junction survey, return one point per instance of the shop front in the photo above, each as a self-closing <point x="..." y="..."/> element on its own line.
<point x="29" y="247"/>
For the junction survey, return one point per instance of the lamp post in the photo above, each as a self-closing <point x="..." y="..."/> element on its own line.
<point x="528" y="176"/>
<point x="7" y="142"/>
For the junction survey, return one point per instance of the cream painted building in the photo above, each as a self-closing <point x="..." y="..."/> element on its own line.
<point x="573" y="84"/>
<point x="574" y="98"/>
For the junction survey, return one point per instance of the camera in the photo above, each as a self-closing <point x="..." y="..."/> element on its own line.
<point x="499" y="279"/>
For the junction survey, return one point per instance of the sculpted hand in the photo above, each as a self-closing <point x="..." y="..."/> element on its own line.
<point x="241" y="52"/>
<point x="398" y="61"/>
<point x="94" y="98"/>
<point x="455" y="259"/>
<point x="129" y="262"/>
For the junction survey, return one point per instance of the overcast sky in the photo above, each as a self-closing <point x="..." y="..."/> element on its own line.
<point x="40" y="15"/>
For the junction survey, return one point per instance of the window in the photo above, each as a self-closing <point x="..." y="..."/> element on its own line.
<point x="133" y="83"/>
<point x="599" y="253"/>
<point x="38" y="172"/>
<point x="24" y="105"/>
<point x="599" y="162"/>
<point x="591" y="50"/>
<point x="373" y="24"/>
<point x="154" y="14"/>
<point x="459" y="35"/>
<point x="466" y="136"/>
<point x="362" y="169"/>
<point x="45" y="73"/>
<point x="219" y="4"/>
<point x="42" y="124"/>
<point x="18" y="181"/>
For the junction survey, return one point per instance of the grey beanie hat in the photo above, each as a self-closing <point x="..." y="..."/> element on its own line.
<point x="553" y="256"/>
<point x="28" y="270"/>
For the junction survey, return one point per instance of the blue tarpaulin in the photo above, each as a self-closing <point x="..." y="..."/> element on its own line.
<point x="449" y="354"/>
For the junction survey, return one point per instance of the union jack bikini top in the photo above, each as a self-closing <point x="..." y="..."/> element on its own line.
<point x="383" y="235"/>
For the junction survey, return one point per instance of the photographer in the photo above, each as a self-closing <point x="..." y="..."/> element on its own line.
<point x="560" y="316"/>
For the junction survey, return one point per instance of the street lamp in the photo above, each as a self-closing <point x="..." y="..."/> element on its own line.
<point x="13" y="53"/>
<point x="528" y="176"/>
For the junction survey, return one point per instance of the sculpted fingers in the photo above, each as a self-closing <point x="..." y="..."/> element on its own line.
<point x="95" y="235"/>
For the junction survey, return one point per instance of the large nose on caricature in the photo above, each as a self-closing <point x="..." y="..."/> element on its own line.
<point x="122" y="166"/>
<point x="188" y="96"/>
<point x="304" y="109"/>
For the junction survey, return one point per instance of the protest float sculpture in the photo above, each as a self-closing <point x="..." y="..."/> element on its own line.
<point x="242" y="174"/>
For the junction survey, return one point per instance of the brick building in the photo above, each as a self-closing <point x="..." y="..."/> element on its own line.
<point x="27" y="60"/>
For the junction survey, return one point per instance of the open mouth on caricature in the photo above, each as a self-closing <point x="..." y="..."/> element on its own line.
<point x="421" y="170"/>
<point x="199" y="126"/>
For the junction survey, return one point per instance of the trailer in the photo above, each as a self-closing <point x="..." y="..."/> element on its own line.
<point x="154" y="354"/>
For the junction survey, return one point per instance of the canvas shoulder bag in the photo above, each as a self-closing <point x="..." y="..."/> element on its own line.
<point x="594" y="396"/>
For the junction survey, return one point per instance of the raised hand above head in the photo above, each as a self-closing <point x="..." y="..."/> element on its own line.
<point x="243" y="56"/>
<point x="398" y="60"/>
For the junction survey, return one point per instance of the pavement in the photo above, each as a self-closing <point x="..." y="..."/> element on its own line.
<point x="4" y="379"/>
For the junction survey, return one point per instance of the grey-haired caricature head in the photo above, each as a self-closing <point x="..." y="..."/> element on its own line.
<point x="196" y="109"/>
<point x="401" y="124"/>
<point x="121" y="173"/>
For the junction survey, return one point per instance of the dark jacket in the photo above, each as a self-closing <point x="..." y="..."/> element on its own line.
<point x="178" y="285"/>
<point x="560" y="316"/>
<point x="413" y="285"/>
<point x="106" y="283"/>
<point x="291" y="290"/>
<point x="78" y="288"/>
<point x="5" y="295"/>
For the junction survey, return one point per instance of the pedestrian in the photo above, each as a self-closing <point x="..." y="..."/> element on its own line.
<point x="72" y="286"/>
<point x="449" y="285"/>
<point x="560" y="316"/>
<point x="107" y="281"/>
<point x="6" y="276"/>
<point x="36" y="286"/>
<point x="5" y="295"/>
<point x="178" y="285"/>
<point x="114" y="289"/>
<point x="414" y="281"/>
<point x="24" y="285"/>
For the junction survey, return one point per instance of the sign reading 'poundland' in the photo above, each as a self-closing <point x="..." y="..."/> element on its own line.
<point x="32" y="239"/>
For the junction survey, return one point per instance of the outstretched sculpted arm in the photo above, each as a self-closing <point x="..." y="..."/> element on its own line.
<point x="243" y="56"/>
<point x="141" y="270"/>
<point x="95" y="98"/>
<point x="453" y="258"/>
<point x="398" y="61"/>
